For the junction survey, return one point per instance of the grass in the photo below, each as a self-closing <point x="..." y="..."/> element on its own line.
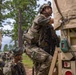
<point x="27" y="61"/>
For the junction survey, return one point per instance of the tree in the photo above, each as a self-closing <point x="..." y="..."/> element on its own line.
<point x="0" y="11"/>
<point x="1" y="15"/>
<point x="5" y="48"/>
<point x="22" y="11"/>
<point x="11" y="47"/>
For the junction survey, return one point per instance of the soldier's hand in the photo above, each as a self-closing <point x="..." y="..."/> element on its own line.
<point x="51" y="21"/>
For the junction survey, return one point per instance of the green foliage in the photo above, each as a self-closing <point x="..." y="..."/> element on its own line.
<point x="1" y="16"/>
<point x="15" y="32"/>
<point x="27" y="61"/>
<point x="5" y="48"/>
<point x="27" y="8"/>
<point x="11" y="47"/>
<point x="6" y="32"/>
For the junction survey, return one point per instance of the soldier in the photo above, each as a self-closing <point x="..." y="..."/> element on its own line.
<point x="17" y="67"/>
<point x="41" y="39"/>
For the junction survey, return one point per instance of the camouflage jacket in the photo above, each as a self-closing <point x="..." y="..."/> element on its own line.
<point x="35" y="30"/>
<point x="18" y="69"/>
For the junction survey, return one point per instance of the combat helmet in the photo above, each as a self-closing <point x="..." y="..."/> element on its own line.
<point x="45" y="5"/>
<point x="17" y="51"/>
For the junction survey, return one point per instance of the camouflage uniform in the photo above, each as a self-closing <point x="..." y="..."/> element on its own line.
<point x="16" y="66"/>
<point x="18" y="69"/>
<point x="37" y="45"/>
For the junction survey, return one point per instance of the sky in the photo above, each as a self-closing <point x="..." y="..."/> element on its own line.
<point x="43" y="1"/>
<point x="6" y="39"/>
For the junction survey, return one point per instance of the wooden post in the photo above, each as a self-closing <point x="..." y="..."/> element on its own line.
<point x="59" y="63"/>
<point x="53" y="62"/>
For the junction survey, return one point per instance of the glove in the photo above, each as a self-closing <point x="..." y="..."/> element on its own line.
<point x="51" y="21"/>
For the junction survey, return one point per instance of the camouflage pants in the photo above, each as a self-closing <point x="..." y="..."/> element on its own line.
<point x="43" y="68"/>
<point x="41" y="58"/>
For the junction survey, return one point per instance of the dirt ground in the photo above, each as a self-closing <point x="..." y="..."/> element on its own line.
<point x="29" y="71"/>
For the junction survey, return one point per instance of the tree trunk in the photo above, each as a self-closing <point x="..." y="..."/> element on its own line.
<point x="0" y="11"/>
<point x="19" y="28"/>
